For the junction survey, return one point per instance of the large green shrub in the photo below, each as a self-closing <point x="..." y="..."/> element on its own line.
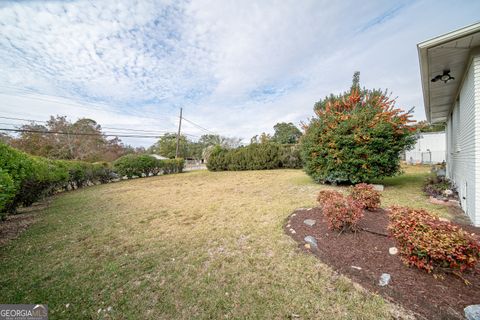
<point x="172" y="165"/>
<point x="32" y="177"/>
<point x="81" y="174"/>
<point x="46" y="177"/>
<point x="7" y="191"/>
<point x="356" y="137"/>
<point x="290" y="157"/>
<point x="103" y="172"/>
<point x="217" y="160"/>
<point x="133" y="165"/>
<point x="20" y="167"/>
<point x="256" y="156"/>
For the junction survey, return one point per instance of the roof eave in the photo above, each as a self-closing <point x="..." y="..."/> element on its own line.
<point x="423" y="47"/>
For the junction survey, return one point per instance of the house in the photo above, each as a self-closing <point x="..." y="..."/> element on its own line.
<point x="158" y="157"/>
<point x="450" y="72"/>
<point x="430" y="148"/>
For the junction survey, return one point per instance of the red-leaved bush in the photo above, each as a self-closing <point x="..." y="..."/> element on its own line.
<point x="366" y="196"/>
<point x="327" y="194"/>
<point x="342" y="213"/>
<point x="430" y="244"/>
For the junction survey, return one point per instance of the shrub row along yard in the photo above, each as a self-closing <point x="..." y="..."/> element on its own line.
<point x="256" y="156"/>
<point x="139" y="250"/>
<point x="25" y="179"/>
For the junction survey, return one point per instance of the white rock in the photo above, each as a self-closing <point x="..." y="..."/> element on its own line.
<point x="67" y="305"/>
<point x="384" y="279"/>
<point x="109" y="309"/>
<point x="309" y="222"/>
<point x="378" y="187"/>
<point x="472" y="312"/>
<point x="312" y="241"/>
<point x="292" y="231"/>
<point x="356" y="268"/>
<point x="393" y="251"/>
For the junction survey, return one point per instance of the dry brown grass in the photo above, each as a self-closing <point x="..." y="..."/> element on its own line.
<point x="196" y="245"/>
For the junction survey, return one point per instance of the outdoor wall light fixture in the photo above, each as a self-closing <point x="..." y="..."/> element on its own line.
<point x="445" y="77"/>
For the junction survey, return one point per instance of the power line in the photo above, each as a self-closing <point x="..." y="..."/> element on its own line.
<point x="21" y="119"/>
<point x="93" y="105"/>
<point x="101" y="109"/>
<point x="111" y="128"/>
<point x="78" y="133"/>
<point x="198" y="126"/>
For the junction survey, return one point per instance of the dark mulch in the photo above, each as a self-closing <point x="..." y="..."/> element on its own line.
<point x="413" y="289"/>
<point x="15" y="224"/>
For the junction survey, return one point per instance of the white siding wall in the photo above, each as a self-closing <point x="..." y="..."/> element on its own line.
<point x="449" y="137"/>
<point x="476" y="75"/>
<point x="429" y="148"/>
<point x="463" y="144"/>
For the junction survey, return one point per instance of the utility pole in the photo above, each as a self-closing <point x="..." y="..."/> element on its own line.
<point x="178" y="134"/>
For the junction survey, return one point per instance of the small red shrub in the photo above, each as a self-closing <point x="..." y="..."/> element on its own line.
<point x="324" y="195"/>
<point x="366" y="196"/>
<point x="342" y="213"/>
<point x="430" y="244"/>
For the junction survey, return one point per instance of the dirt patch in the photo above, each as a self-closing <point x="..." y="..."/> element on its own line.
<point x="364" y="256"/>
<point x="15" y="224"/>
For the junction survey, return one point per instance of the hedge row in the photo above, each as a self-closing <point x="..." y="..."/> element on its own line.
<point x="256" y="156"/>
<point x="144" y="165"/>
<point x="25" y="179"/>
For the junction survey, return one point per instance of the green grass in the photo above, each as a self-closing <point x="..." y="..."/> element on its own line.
<point x="405" y="190"/>
<point x="197" y="245"/>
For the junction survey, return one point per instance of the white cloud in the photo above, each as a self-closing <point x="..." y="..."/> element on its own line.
<point x="237" y="67"/>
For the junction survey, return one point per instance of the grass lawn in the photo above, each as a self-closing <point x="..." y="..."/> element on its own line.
<point x="194" y="245"/>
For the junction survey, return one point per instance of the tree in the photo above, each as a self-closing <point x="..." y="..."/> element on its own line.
<point x="5" y="138"/>
<point x="355" y="81"/>
<point x="34" y="141"/>
<point x="424" y="126"/>
<point x="167" y="144"/>
<point x="210" y="140"/>
<point x="263" y="138"/>
<point x="83" y="140"/>
<point x="286" y="133"/>
<point x="225" y="142"/>
<point x="356" y="137"/>
<point x="195" y="150"/>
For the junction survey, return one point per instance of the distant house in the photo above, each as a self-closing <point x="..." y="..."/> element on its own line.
<point x="430" y="148"/>
<point x="450" y="71"/>
<point x="159" y="157"/>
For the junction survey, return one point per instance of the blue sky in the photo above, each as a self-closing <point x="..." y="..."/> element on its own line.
<point x="236" y="67"/>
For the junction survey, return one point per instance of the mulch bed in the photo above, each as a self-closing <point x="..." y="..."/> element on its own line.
<point x="430" y="297"/>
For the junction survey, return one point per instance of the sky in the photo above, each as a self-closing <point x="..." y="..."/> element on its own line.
<point x="235" y="67"/>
